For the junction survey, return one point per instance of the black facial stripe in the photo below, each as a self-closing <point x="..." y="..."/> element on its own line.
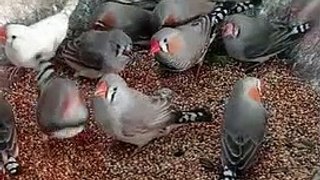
<point x="113" y="93"/>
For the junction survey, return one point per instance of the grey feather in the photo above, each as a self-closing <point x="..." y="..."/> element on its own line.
<point x="243" y="128"/>
<point x="97" y="52"/>
<point x="61" y="111"/>
<point x="133" y="20"/>
<point x="258" y="39"/>
<point x="132" y="116"/>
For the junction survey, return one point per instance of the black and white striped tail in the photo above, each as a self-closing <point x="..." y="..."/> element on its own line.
<point x="301" y="29"/>
<point x="193" y="116"/>
<point x="11" y="166"/>
<point x="224" y="9"/>
<point x="228" y="174"/>
<point x="45" y="73"/>
<point x="244" y="6"/>
<point x="70" y="50"/>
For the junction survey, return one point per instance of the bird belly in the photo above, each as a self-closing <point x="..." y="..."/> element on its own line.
<point x="67" y="132"/>
<point x="19" y="60"/>
<point x="140" y="139"/>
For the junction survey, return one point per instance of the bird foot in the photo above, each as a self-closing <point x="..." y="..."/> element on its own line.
<point x="207" y="163"/>
<point x="251" y="68"/>
<point x="136" y="151"/>
<point x="44" y="137"/>
<point x="164" y="93"/>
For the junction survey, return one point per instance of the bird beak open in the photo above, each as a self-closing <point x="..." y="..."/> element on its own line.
<point x="101" y="89"/>
<point x="3" y="34"/>
<point x="154" y="47"/>
<point x="230" y="30"/>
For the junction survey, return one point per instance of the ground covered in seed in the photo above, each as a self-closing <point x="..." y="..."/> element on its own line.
<point x="290" y="151"/>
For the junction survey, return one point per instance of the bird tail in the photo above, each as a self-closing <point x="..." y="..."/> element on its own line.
<point x="228" y="174"/>
<point x="227" y="8"/>
<point x="11" y="165"/>
<point x="301" y="29"/>
<point x="69" y="7"/>
<point x="244" y="6"/>
<point x="69" y="50"/>
<point x="45" y="73"/>
<point x="192" y="116"/>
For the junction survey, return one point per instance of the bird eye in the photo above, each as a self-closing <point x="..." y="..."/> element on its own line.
<point x="13" y="37"/>
<point x="119" y="50"/>
<point x="165" y="40"/>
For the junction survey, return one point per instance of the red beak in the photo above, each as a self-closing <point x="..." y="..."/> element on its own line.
<point x="155" y="47"/>
<point x="3" y="35"/>
<point x="101" y="89"/>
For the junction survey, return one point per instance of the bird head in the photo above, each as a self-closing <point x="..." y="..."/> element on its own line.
<point x="230" y="30"/>
<point x="13" y="32"/>
<point x="123" y="43"/>
<point x="253" y="88"/>
<point x="109" y="86"/>
<point x="166" y="41"/>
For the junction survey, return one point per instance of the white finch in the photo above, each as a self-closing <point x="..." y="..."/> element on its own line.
<point x="133" y="20"/>
<point x="97" y="52"/>
<point x="8" y="138"/>
<point x="243" y="128"/>
<point x="180" y="48"/>
<point x="25" y="45"/>
<point x="133" y="117"/>
<point x="61" y="112"/>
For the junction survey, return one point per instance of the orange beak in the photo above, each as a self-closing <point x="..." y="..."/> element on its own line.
<point x="155" y="47"/>
<point x="3" y="35"/>
<point x="101" y="89"/>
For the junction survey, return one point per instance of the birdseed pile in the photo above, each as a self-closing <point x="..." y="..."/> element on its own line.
<point x="291" y="150"/>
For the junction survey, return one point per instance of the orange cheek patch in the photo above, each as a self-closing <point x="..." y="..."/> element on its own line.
<point x="254" y="94"/>
<point x="171" y="20"/>
<point x="175" y="45"/>
<point x="109" y="20"/>
<point x="69" y="105"/>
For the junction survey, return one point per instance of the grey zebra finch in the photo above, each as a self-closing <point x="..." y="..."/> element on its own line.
<point x="8" y="138"/>
<point x="61" y="111"/>
<point x="133" y="117"/>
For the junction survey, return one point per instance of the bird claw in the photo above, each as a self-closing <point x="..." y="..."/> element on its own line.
<point x="136" y="151"/>
<point x="164" y="93"/>
<point x="206" y="163"/>
<point x="251" y="68"/>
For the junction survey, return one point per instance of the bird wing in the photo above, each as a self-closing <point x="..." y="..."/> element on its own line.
<point x="145" y="114"/>
<point x="197" y="37"/>
<point x="275" y="40"/>
<point x="82" y="54"/>
<point x="243" y="132"/>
